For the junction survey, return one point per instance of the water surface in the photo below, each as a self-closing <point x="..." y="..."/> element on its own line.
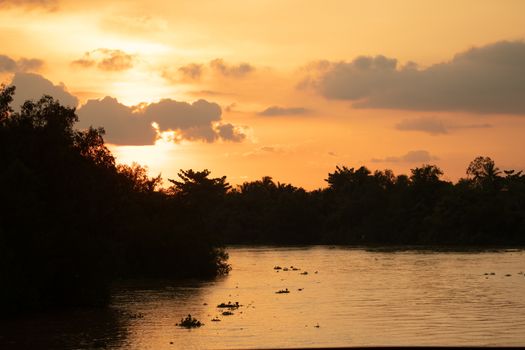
<point x="350" y="297"/>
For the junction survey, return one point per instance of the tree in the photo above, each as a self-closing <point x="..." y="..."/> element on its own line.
<point x="344" y="179"/>
<point x="425" y="175"/>
<point x="6" y="97"/>
<point x="197" y="188"/>
<point x="483" y="173"/>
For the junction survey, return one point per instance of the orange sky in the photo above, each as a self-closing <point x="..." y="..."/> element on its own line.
<point x="378" y="83"/>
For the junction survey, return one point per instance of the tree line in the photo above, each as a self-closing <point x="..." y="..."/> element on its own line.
<point x="72" y="221"/>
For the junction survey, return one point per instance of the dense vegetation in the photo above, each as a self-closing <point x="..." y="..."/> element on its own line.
<point x="364" y="208"/>
<point x="72" y="221"/>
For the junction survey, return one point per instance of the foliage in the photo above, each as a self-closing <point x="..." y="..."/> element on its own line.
<point x="71" y="221"/>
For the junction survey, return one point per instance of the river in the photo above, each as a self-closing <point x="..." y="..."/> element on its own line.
<point x="337" y="297"/>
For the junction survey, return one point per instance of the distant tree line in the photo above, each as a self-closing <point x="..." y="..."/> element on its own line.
<point x="487" y="208"/>
<point x="72" y="220"/>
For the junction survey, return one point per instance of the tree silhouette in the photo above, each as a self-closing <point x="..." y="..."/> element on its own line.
<point x="483" y="173"/>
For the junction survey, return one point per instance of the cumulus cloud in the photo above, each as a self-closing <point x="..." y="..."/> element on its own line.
<point x="487" y="79"/>
<point x="418" y="156"/>
<point x="277" y="111"/>
<point x="106" y="60"/>
<point x="141" y="125"/>
<point x="234" y="71"/>
<point x="124" y="125"/>
<point x="49" y="5"/>
<point x="9" y="65"/>
<point x="30" y="86"/>
<point x="434" y="125"/>
<point x="229" y="132"/>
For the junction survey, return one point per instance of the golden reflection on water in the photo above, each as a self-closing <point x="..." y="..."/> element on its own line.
<point x="357" y="298"/>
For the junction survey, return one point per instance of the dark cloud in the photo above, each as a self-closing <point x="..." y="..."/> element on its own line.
<point x="419" y="156"/>
<point x="434" y="126"/>
<point x="199" y="121"/>
<point x="9" y="65"/>
<point x="50" y="5"/>
<point x="487" y="79"/>
<point x="30" y="86"/>
<point x="234" y="71"/>
<point x="105" y="59"/>
<point x="229" y="132"/>
<point x="276" y="110"/>
<point x="124" y="125"/>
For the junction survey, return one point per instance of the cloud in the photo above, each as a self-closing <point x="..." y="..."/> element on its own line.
<point x="234" y="71"/>
<point x="50" y="5"/>
<point x="276" y="110"/>
<point x="430" y="125"/>
<point x="106" y="60"/>
<point x="9" y="65"/>
<point x="487" y="79"/>
<point x="191" y="71"/>
<point x="124" y="125"/>
<point x="230" y="132"/>
<point x="141" y="125"/>
<point x="30" y="86"/>
<point x="188" y="73"/>
<point x="434" y="126"/>
<point x="267" y="151"/>
<point x="419" y="156"/>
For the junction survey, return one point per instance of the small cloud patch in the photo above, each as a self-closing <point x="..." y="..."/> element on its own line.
<point x="418" y="156"/>
<point x="282" y="111"/>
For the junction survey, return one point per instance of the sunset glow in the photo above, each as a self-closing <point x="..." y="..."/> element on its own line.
<point x="301" y="87"/>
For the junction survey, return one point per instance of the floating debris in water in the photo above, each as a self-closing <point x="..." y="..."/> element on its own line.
<point x="282" y="291"/>
<point x="229" y="305"/>
<point x="189" y="322"/>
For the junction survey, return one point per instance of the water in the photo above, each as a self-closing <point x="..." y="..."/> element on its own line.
<point x="356" y="298"/>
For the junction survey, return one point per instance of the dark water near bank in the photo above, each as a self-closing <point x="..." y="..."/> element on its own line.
<point x="356" y="298"/>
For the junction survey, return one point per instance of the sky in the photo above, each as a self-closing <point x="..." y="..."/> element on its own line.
<point x="287" y="89"/>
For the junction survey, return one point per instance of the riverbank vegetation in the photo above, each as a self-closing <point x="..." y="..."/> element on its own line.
<point x="72" y="220"/>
